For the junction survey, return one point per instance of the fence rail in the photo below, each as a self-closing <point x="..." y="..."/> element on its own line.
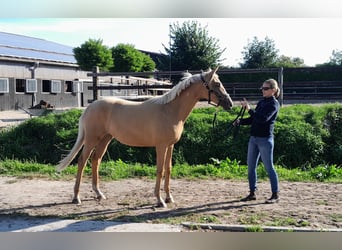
<point x="300" y="90"/>
<point x="308" y="90"/>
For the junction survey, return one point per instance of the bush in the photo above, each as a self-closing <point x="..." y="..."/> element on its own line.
<point x="203" y="140"/>
<point x="304" y="135"/>
<point x="333" y="141"/>
<point x="296" y="145"/>
<point x="42" y="139"/>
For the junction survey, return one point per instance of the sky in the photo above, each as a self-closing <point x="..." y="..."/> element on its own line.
<point x="312" y="39"/>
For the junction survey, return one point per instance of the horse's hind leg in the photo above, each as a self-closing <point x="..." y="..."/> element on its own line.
<point x="168" y="167"/>
<point x="82" y="160"/>
<point x="95" y="164"/>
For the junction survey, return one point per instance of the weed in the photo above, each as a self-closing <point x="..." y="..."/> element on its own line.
<point x="254" y="229"/>
<point x="208" y="219"/>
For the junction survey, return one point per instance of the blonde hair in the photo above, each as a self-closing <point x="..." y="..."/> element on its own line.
<point x="273" y="85"/>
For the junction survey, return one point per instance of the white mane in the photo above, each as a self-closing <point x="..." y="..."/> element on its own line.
<point x="185" y="82"/>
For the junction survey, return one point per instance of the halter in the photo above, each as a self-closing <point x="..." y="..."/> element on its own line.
<point x="209" y="92"/>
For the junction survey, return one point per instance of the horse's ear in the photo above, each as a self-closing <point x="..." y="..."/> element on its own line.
<point x="216" y="69"/>
<point x="212" y="73"/>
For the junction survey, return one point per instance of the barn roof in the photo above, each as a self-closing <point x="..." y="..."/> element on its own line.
<point x="24" y="47"/>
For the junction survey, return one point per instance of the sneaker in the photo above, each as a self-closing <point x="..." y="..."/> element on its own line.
<point x="250" y="197"/>
<point x="274" y="198"/>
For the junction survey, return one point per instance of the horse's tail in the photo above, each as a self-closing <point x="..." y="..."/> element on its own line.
<point x="75" y="149"/>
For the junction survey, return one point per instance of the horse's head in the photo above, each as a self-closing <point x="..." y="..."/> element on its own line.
<point x="216" y="92"/>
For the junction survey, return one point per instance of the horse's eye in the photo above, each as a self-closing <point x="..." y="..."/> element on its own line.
<point x="216" y="84"/>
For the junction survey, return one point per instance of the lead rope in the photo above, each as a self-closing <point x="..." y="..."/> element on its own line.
<point x="236" y="132"/>
<point x="239" y="116"/>
<point x="215" y="116"/>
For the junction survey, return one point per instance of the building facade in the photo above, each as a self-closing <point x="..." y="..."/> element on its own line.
<point x="34" y="69"/>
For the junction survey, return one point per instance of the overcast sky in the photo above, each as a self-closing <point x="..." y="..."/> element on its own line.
<point x="312" y="39"/>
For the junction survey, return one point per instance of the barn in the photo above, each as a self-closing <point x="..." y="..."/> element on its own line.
<point x="33" y="69"/>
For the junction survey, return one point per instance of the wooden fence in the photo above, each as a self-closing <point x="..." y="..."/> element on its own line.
<point x="293" y="91"/>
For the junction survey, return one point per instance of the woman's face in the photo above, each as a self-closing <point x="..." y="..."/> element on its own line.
<point x="267" y="91"/>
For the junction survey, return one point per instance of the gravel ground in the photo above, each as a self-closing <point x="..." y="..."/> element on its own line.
<point x="305" y="205"/>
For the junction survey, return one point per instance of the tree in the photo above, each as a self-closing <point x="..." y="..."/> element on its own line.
<point x="192" y="48"/>
<point x="334" y="60"/>
<point x="129" y="59"/>
<point x="289" y="62"/>
<point x="148" y="63"/>
<point x="259" y="54"/>
<point x="93" y="53"/>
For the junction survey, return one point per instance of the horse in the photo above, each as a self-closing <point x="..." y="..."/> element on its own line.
<point x="157" y="122"/>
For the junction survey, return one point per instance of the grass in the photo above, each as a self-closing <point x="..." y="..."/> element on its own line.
<point x="225" y="169"/>
<point x="208" y="219"/>
<point x="336" y="217"/>
<point x="282" y="222"/>
<point x="250" y="219"/>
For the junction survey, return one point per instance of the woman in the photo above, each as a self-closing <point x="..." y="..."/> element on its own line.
<point x="261" y="142"/>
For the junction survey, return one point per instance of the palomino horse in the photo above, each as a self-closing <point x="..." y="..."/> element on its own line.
<point x="157" y="122"/>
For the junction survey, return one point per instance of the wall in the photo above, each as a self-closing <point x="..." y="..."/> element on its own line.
<point x="14" y="70"/>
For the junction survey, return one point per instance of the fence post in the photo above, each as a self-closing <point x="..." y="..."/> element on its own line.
<point x="96" y="70"/>
<point x="281" y="87"/>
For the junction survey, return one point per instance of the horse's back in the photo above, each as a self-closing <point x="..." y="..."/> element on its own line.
<point x="131" y="123"/>
<point x="105" y="101"/>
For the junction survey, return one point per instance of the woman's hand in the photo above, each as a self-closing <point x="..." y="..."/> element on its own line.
<point x="245" y="104"/>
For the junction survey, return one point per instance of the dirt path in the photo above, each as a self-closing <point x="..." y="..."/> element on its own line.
<point x="311" y="205"/>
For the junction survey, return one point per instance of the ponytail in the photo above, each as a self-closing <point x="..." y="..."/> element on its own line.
<point x="277" y="93"/>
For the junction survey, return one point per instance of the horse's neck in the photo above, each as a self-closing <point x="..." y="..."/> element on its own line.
<point x="183" y="104"/>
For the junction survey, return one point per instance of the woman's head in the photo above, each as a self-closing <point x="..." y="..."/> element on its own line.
<point x="270" y="88"/>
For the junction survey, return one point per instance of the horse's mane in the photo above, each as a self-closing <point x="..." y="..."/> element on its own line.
<point x="184" y="83"/>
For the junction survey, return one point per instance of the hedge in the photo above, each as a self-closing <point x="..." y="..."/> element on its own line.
<point x="305" y="136"/>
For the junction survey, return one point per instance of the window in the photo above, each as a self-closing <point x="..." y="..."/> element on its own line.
<point x="56" y="86"/>
<point x="4" y="85"/>
<point x="46" y="86"/>
<point x="68" y="86"/>
<point x="20" y="85"/>
<point x="31" y="85"/>
<point x="77" y="87"/>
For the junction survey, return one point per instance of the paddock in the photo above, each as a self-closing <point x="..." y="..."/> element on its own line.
<point x="304" y="206"/>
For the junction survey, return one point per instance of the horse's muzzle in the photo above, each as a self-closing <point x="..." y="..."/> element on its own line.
<point x="226" y="102"/>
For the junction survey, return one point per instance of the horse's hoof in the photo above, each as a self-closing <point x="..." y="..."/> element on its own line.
<point x="161" y="204"/>
<point x="76" y="201"/>
<point x="169" y="200"/>
<point x="101" y="197"/>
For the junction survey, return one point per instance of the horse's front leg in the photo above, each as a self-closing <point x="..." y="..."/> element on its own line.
<point x="168" y="168"/>
<point x="161" y="153"/>
<point x="95" y="165"/>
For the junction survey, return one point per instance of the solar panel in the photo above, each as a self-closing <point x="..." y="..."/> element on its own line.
<point x="34" y="48"/>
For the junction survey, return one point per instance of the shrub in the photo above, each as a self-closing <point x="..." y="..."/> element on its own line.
<point x="296" y="145"/>
<point x="333" y="141"/>
<point x="304" y="135"/>
<point x="42" y="139"/>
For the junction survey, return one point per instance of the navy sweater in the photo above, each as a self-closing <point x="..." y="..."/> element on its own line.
<point x="263" y="117"/>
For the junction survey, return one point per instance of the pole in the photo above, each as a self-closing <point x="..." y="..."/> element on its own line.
<point x="33" y="76"/>
<point x="170" y="51"/>
<point x="281" y="85"/>
<point x="96" y="70"/>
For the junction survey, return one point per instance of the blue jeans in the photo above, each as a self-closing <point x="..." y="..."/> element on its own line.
<point x="261" y="147"/>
